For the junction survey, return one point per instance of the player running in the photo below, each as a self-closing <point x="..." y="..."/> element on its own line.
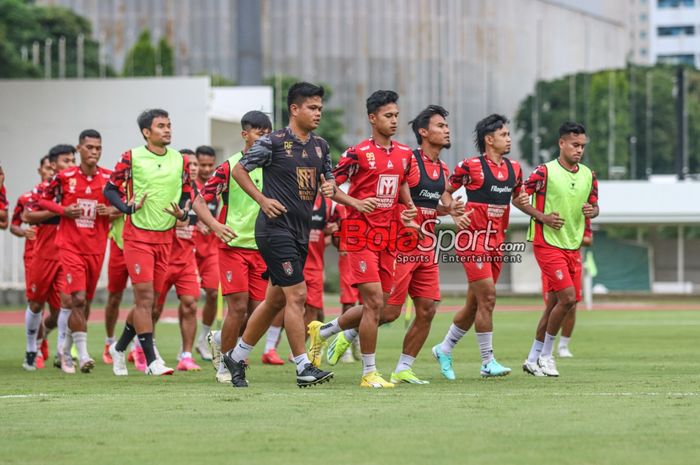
<point x="491" y="181"/>
<point x="566" y="194"/>
<point x="46" y="276"/>
<point x="156" y="182"/>
<point x="240" y="264"/>
<point x="377" y="169"/>
<point x="417" y="272"/>
<point x="76" y="194"/>
<point x="206" y="250"/>
<point x="294" y="162"/>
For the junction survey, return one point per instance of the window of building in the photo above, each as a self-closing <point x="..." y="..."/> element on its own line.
<point x="681" y="59"/>
<point x="669" y="31"/>
<point x="643" y="17"/>
<point x="642" y="34"/>
<point x="675" y="3"/>
<point x="643" y="52"/>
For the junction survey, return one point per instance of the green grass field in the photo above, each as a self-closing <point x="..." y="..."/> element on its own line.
<point x="631" y="395"/>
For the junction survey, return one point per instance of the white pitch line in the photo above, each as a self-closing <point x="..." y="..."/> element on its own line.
<point x="22" y="396"/>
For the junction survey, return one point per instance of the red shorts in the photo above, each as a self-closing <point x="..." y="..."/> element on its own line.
<point x="560" y="268"/>
<point x="81" y="271"/>
<point x="147" y="263"/>
<point x="185" y="279"/>
<point x="241" y="270"/>
<point x="46" y="281"/>
<point x="417" y="275"/>
<point x="577" y="280"/>
<point x="314" y="288"/>
<point x="478" y="269"/>
<point x="209" y="271"/>
<point x="373" y="267"/>
<point x="117" y="274"/>
<point x="348" y="294"/>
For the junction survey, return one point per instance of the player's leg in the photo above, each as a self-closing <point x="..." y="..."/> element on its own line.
<point x="272" y="338"/>
<point x="567" y="330"/>
<point x="208" y="317"/>
<point x="187" y="314"/>
<point x="117" y="277"/>
<point x="530" y="365"/>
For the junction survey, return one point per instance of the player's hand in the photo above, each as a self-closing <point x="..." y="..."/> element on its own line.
<point x="588" y="210"/>
<point x="177" y="212"/>
<point x="409" y="214"/>
<point x="327" y="187"/>
<point x="463" y="221"/>
<point x="30" y="233"/>
<point x="203" y="228"/>
<point x="72" y="211"/>
<point x="330" y="228"/>
<point x="522" y="199"/>
<point x="224" y="232"/>
<point x="367" y="205"/>
<point x="272" y="208"/>
<point x="136" y="207"/>
<point x="106" y="210"/>
<point x="456" y="207"/>
<point x="553" y="220"/>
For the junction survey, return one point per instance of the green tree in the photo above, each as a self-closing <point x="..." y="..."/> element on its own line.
<point x="331" y="127"/>
<point x="166" y="58"/>
<point x="141" y="58"/>
<point x="594" y="93"/>
<point x="22" y="24"/>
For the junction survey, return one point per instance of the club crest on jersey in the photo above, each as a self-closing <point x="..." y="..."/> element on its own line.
<point x="229" y="276"/>
<point x="71" y="185"/>
<point x="559" y="275"/>
<point x="372" y="162"/>
<point x="363" y="266"/>
<point x="288" y="144"/>
<point x="137" y="268"/>
<point x="319" y="153"/>
<point x="288" y="269"/>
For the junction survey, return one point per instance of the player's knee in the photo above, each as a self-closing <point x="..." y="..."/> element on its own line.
<point x="487" y="301"/>
<point x="114" y="298"/>
<point x="426" y="312"/>
<point x="296" y="297"/>
<point x="390" y="313"/>
<point x="374" y="303"/>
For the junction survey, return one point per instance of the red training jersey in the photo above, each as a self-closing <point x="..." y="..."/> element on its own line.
<point x="87" y="234"/>
<point x="433" y="169"/>
<point x="320" y="216"/>
<point x="22" y="202"/>
<point x="490" y="187"/>
<point x="3" y="198"/>
<point x="375" y="171"/>
<point x="206" y="244"/>
<point x="45" y="243"/>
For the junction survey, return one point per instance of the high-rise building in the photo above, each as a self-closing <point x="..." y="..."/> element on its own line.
<point x="665" y="31"/>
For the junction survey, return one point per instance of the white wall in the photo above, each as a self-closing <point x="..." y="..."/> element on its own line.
<point x="37" y="115"/>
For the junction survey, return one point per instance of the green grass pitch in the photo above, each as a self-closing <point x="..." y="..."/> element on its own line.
<point x="630" y="395"/>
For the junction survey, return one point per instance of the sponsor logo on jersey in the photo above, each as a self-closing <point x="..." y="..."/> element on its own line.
<point x="387" y="187"/>
<point x="429" y="195"/>
<point x="501" y="190"/>
<point x="306" y="182"/>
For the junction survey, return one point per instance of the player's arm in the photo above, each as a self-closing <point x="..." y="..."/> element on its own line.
<point x="181" y="209"/>
<point x="215" y="185"/>
<point x="3" y="219"/>
<point x="458" y="178"/>
<point x="590" y="208"/>
<point x="344" y="170"/>
<point x="259" y="156"/>
<point x="47" y="200"/>
<point x="536" y="183"/>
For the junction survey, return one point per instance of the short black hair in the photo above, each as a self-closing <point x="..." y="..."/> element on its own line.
<point x="146" y="118"/>
<point x="300" y="91"/>
<point x="89" y="133"/>
<point x="255" y="120"/>
<point x="380" y="98"/>
<point x="43" y="159"/>
<point x="60" y="149"/>
<point x="486" y="126"/>
<point x="205" y="150"/>
<point x="186" y="152"/>
<point x="568" y="127"/>
<point x="422" y="121"/>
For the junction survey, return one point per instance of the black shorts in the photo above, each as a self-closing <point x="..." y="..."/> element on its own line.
<point x="285" y="258"/>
